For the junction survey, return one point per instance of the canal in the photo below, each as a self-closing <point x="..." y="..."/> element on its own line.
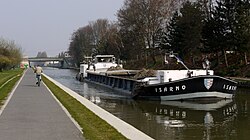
<point x="217" y="120"/>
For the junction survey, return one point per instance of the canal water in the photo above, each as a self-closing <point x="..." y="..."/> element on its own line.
<point x="217" y="120"/>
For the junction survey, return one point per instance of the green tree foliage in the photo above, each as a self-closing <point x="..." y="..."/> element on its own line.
<point x="242" y="26"/>
<point x="172" y="39"/>
<point x="228" y="28"/>
<point x="10" y="54"/>
<point x="206" y="6"/>
<point x="4" y="62"/>
<point x="183" y="34"/>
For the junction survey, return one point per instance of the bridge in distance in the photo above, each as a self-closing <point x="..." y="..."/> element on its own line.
<point x="62" y="61"/>
<point x="45" y="59"/>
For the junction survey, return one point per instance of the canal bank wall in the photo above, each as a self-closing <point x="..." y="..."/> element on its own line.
<point x="124" y="128"/>
<point x="242" y="82"/>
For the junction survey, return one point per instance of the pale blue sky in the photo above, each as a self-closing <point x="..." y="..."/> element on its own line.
<point x="47" y="25"/>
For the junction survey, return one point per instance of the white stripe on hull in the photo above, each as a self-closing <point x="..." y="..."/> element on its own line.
<point x="197" y="95"/>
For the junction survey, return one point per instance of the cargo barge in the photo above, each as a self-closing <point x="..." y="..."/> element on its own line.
<point x="162" y="85"/>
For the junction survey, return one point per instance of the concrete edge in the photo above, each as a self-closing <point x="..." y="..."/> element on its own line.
<point x="124" y="128"/>
<point x="11" y="94"/>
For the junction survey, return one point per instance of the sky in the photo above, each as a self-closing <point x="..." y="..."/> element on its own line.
<point x="47" y="25"/>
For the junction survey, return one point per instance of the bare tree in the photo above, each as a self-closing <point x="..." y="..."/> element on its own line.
<point x="100" y="29"/>
<point x="114" y="44"/>
<point x="144" y="21"/>
<point x="99" y="37"/>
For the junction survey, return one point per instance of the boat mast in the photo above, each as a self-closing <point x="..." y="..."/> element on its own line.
<point x="206" y="65"/>
<point x="173" y="55"/>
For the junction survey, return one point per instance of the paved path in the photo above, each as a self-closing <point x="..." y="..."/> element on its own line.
<point x="33" y="114"/>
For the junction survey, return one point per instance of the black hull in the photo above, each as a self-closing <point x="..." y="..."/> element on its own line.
<point x="207" y="87"/>
<point x="189" y="88"/>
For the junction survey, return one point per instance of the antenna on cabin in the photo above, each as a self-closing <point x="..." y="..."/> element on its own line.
<point x="206" y="64"/>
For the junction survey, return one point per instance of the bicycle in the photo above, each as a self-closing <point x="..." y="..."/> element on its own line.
<point x="39" y="79"/>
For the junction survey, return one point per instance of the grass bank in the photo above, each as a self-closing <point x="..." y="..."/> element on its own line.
<point x="93" y="127"/>
<point x="5" y="85"/>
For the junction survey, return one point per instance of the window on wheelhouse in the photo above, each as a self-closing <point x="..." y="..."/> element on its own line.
<point x="105" y="59"/>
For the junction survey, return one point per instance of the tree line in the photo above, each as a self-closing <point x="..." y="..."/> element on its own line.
<point x="149" y="28"/>
<point x="10" y="54"/>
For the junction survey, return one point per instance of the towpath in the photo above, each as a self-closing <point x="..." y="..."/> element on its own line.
<point x="32" y="113"/>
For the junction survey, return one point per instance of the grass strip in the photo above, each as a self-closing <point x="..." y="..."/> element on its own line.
<point x="93" y="127"/>
<point x="6" y="89"/>
<point x="6" y="75"/>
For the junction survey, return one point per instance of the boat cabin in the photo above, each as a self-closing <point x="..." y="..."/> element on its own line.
<point x="104" y="59"/>
<point x="99" y="62"/>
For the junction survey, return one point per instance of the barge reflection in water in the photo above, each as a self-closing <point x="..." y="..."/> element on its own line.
<point x="228" y="119"/>
<point x="190" y="119"/>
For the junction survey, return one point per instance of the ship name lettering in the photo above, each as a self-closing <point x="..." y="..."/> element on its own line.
<point x="165" y="89"/>
<point x="177" y="88"/>
<point x="229" y="87"/>
<point x="170" y="89"/>
<point x="183" y="87"/>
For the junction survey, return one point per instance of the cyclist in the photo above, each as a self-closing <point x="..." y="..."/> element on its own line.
<point x="38" y="71"/>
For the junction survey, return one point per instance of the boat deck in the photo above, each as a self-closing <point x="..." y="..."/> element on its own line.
<point x="113" y="72"/>
<point x="118" y="79"/>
